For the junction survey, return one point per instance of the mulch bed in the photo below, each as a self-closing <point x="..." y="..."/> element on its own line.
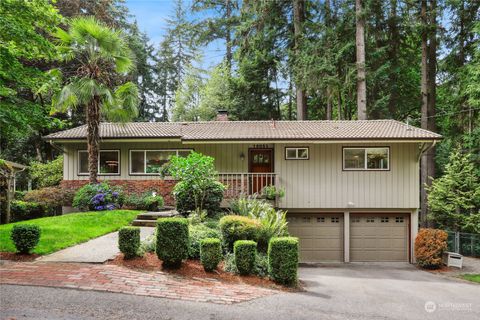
<point x="17" y="256"/>
<point x="194" y="269"/>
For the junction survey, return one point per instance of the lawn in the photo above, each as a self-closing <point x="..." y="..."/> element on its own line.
<point x="471" y="277"/>
<point x="64" y="231"/>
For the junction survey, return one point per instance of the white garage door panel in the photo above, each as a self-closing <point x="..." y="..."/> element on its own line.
<point x="321" y="236"/>
<point x="379" y="237"/>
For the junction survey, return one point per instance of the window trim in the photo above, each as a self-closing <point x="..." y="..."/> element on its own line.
<point x="297" y="158"/>
<point x="366" y="167"/>
<point x="119" y="173"/>
<point x="130" y="173"/>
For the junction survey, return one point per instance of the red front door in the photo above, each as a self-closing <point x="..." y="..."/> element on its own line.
<point x="260" y="161"/>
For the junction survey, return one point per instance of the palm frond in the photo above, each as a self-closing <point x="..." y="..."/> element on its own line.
<point x="124" y="106"/>
<point x="66" y="99"/>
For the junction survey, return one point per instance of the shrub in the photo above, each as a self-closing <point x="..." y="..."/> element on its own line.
<point x="186" y="200"/>
<point x="99" y="196"/>
<point x="129" y="241"/>
<point x="235" y="228"/>
<point x="19" y="195"/>
<point x="245" y="252"/>
<point x="52" y="198"/>
<point x="430" y="244"/>
<point x="25" y="237"/>
<point x="229" y="263"/>
<point x="197" y="186"/>
<point x="149" y="200"/>
<point x="249" y="206"/>
<point x="271" y="193"/>
<point x="261" y="265"/>
<point x="22" y="210"/>
<point x="197" y="234"/>
<point x="172" y="241"/>
<point x="210" y="253"/>
<point x="283" y="260"/>
<point x="47" y="174"/>
<point x="147" y="245"/>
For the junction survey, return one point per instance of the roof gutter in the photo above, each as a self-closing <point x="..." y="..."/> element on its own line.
<point x="425" y="147"/>
<point x="57" y="147"/>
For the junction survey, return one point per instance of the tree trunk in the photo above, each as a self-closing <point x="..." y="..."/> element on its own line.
<point x="93" y="136"/>
<point x="361" y="74"/>
<point x="298" y="20"/>
<point x="394" y="49"/>
<point x="339" y="106"/>
<point x="329" y="104"/>
<point x="228" y="36"/>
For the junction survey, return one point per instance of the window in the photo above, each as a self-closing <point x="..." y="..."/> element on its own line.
<point x="108" y="162"/>
<point x="335" y="219"/>
<point x="355" y="220"/>
<point x="296" y="153"/>
<point x="306" y="219"/>
<point x="384" y="219"/>
<point x="366" y="158"/>
<point x="370" y="220"/>
<point x="151" y="161"/>
<point x="321" y="219"/>
<point x="399" y="219"/>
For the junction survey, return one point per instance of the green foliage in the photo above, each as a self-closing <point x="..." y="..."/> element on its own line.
<point x="210" y="253"/>
<point x="261" y="265"/>
<point x="52" y="198"/>
<point x="245" y="252"/>
<point x="25" y="237"/>
<point x="149" y="200"/>
<point x="235" y="228"/>
<point x="129" y="241"/>
<point x="283" y="260"/>
<point x="229" y="263"/>
<point x="22" y="210"/>
<point x="99" y="196"/>
<point x="454" y="198"/>
<point x="271" y="193"/>
<point x="273" y="222"/>
<point x="172" y="241"/>
<point x="47" y="174"/>
<point x="148" y="245"/>
<point x="199" y="232"/>
<point x="197" y="186"/>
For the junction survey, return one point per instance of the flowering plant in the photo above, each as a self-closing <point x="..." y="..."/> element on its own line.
<point x="97" y="197"/>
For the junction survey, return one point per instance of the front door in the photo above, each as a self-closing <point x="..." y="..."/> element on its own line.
<point x="260" y="164"/>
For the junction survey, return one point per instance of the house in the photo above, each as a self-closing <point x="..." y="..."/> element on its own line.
<point x="351" y="187"/>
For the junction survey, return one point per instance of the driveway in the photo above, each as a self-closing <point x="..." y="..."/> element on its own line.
<point x="332" y="292"/>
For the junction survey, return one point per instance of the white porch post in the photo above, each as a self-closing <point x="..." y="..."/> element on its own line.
<point x="346" y="236"/>
<point x="413" y="233"/>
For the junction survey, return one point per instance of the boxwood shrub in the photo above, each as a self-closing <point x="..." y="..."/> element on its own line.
<point x="129" y="241"/>
<point x="235" y="228"/>
<point x="172" y="241"/>
<point x="25" y="237"/>
<point x="199" y="232"/>
<point x="210" y="253"/>
<point x="245" y="252"/>
<point x="430" y="244"/>
<point x="283" y="260"/>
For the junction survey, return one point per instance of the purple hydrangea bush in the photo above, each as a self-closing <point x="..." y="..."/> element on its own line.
<point x="98" y="197"/>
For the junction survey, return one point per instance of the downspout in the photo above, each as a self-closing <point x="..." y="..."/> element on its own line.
<point x="424" y="149"/>
<point x="56" y="147"/>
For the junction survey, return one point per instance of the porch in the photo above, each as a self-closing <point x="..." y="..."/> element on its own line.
<point x="246" y="183"/>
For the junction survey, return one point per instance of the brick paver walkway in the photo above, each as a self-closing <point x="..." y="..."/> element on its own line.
<point x="114" y="278"/>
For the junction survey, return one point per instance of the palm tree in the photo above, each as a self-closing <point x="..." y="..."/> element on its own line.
<point x="103" y="57"/>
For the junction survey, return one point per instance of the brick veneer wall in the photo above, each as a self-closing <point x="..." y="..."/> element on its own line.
<point x="163" y="187"/>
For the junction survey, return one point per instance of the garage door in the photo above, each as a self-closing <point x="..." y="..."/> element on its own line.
<point x="321" y="236"/>
<point x="379" y="237"/>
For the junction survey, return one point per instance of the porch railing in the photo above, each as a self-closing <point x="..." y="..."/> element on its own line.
<point x="246" y="183"/>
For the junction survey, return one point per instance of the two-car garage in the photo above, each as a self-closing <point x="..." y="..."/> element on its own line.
<point x="370" y="236"/>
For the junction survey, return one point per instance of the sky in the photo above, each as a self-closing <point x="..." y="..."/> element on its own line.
<point x="151" y="16"/>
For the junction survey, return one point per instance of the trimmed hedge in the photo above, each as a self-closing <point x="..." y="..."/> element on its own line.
<point x="172" y="241"/>
<point x="430" y="244"/>
<point x="129" y="241"/>
<point x="235" y="228"/>
<point x="25" y="237"/>
<point x="245" y="252"/>
<point x="211" y="195"/>
<point x="283" y="260"/>
<point x="198" y="232"/>
<point x="210" y="253"/>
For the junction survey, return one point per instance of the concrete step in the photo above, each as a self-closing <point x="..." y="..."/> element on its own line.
<point x="144" y="223"/>
<point x="156" y="215"/>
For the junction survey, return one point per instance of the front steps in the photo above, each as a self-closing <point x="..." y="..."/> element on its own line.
<point x="149" y="219"/>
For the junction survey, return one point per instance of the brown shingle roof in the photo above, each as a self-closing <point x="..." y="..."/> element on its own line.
<point x="257" y="130"/>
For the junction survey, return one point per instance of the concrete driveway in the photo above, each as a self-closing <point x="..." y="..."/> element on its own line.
<point x="332" y="292"/>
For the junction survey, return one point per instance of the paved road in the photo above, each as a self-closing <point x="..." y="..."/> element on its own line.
<point x="97" y="250"/>
<point x="333" y="292"/>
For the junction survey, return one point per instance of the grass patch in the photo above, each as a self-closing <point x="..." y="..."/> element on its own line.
<point x="471" y="277"/>
<point x="64" y="231"/>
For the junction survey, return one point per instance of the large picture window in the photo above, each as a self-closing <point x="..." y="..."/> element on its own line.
<point x="108" y="162"/>
<point x="151" y="161"/>
<point x="366" y="158"/>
